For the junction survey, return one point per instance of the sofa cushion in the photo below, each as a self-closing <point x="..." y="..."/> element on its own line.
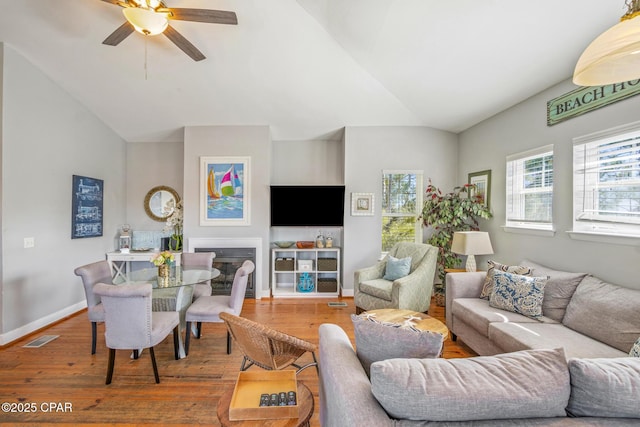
<point x="380" y="341"/>
<point x="606" y="312"/>
<point x="559" y="288"/>
<point x="378" y="288"/>
<point x="478" y="314"/>
<point x="517" y="293"/>
<point x="635" y="350"/>
<point x="524" y="336"/>
<point x="525" y="384"/>
<point x="493" y="266"/>
<point x="396" y="268"/>
<point x="605" y="387"/>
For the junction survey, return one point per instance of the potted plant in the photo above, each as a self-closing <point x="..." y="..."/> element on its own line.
<point x="446" y="214"/>
<point x="174" y="224"/>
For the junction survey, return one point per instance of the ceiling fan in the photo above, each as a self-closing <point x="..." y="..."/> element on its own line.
<point x="151" y="17"/>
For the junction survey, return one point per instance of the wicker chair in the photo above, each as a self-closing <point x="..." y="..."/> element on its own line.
<point x="266" y="347"/>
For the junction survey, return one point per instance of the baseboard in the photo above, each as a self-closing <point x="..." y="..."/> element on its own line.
<point x="346" y="292"/>
<point x="25" y="330"/>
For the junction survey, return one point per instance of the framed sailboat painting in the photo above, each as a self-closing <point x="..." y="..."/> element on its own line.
<point x="224" y="191"/>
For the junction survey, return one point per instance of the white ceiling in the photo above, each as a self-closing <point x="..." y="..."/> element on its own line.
<point x="307" y="68"/>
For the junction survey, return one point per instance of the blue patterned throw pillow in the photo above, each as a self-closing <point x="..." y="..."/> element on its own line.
<point x="635" y="350"/>
<point x="397" y="268"/>
<point x="518" y="294"/>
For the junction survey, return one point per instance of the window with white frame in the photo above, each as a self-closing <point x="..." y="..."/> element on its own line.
<point x="530" y="189"/>
<point x="606" y="182"/>
<point x="401" y="207"/>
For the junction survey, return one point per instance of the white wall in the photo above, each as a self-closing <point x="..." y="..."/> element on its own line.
<point x="521" y="128"/>
<point x="47" y="137"/>
<point x="370" y="150"/>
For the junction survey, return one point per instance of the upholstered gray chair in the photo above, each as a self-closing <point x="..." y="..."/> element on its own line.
<point x="411" y="292"/>
<point x="208" y="308"/>
<point x="96" y="272"/>
<point x="131" y="325"/>
<point x="200" y="260"/>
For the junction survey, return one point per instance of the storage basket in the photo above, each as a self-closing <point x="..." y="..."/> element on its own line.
<point x="440" y="299"/>
<point x="284" y="264"/>
<point x="327" y="285"/>
<point x="327" y="264"/>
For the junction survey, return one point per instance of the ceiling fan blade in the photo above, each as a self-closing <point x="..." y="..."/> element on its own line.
<point x="184" y="44"/>
<point x="120" y="34"/>
<point x="202" y="15"/>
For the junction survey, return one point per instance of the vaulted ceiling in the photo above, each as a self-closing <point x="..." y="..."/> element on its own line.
<point x="307" y="68"/>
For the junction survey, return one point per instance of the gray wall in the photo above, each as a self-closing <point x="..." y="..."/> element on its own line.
<point x="250" y="141"/>
<point x="47" y="137"/>
<point x="521" y="128"/>
<point x="370" y="150"/>
<point x="150" y="165"/>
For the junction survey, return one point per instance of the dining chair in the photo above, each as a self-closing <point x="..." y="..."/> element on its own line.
<point x="200" y="260"/>
<point x="208" y="308"/>
<point x="131" y="325"/>
<point x="96" y="272"/>
<point x="265" y="347"/>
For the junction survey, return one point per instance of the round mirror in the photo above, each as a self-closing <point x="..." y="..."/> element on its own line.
<point x="156" y="202"/>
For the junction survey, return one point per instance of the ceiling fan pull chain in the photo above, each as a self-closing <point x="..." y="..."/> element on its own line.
<point x="145" y="58"/>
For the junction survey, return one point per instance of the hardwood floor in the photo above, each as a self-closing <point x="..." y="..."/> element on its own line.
<point x="63" y="374"/>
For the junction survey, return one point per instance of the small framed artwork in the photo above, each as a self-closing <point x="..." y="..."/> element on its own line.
<point x="361" y="204"/>
<point x="224" y="191"/>
<point x="482" y="182"/>
<point x="86" y="207"/>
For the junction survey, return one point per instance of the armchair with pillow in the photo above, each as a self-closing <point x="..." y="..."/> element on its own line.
<point x="403" y="279"/>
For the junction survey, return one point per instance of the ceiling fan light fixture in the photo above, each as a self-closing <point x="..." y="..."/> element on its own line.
<point x="145" y="21"/>
<point x="612" y="57"/>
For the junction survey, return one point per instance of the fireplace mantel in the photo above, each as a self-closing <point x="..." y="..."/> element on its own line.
<point x="233" y="242"/>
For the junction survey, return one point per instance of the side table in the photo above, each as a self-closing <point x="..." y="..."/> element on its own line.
<point x="305" y="401"/>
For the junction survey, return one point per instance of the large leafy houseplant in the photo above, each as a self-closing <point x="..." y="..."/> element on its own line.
<point x="448" y="213"/>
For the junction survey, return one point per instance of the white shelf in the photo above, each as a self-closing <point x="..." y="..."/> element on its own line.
<point x="285" y="272"/>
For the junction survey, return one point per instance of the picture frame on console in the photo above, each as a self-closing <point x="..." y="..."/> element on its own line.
<point x="482" y="181"/>
<point x="361" y="204"/>
<point x="225" y="197"/>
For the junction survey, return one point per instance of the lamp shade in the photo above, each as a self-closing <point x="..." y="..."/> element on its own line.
<point x="146" y="21"/>
<point x="471" y="243"/>
<point x="613" y="57"/>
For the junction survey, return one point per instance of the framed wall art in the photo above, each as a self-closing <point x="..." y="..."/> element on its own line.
<point x="86" y="207"/>
<point x="361" y="204"/>
<point x="482" y="181"/>
<point x="224" y="191"/>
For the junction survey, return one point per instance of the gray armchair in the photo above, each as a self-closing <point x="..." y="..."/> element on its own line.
<point x="130" y="323"/>
<point x="412" y="292"/>
<point x="96" y="272"/>
<point x="209" y="308"/>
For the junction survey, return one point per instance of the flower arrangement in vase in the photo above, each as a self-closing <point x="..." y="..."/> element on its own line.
<point x="163" y="261"/>
<point x="174" y="224"/>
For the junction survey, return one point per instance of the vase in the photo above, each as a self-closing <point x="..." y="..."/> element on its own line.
<point x="163" y="270"/>
<point x="175" y="242"/>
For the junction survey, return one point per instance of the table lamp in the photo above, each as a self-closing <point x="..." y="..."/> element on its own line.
<point x="471" y="243"/>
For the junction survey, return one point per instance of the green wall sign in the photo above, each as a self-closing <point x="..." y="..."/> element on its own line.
<point x="588" y="98"/>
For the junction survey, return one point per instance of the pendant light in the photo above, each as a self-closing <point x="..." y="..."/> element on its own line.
<point x="614" y="56"/>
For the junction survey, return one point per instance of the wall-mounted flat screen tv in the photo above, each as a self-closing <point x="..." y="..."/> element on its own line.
<point x="307" y="205"/>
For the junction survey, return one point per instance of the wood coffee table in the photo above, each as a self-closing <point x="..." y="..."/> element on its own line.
<point x="420" y="321"/>
<point x="305" y="401"/>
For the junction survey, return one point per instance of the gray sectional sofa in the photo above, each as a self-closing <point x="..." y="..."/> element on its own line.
<point x="582" y="314"/>
<point x="527" y="388"/>
<point x="568" y="367"/>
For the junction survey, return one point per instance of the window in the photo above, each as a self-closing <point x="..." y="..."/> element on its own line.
<point x="530" y="189"/>
<point x="401" y="207"/>
<point x="606" y="182"/>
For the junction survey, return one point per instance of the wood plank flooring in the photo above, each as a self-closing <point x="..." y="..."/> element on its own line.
<point x="64" y="372"/>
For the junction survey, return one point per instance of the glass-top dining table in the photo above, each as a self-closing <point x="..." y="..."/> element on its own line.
<point x="172" y="293"/>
